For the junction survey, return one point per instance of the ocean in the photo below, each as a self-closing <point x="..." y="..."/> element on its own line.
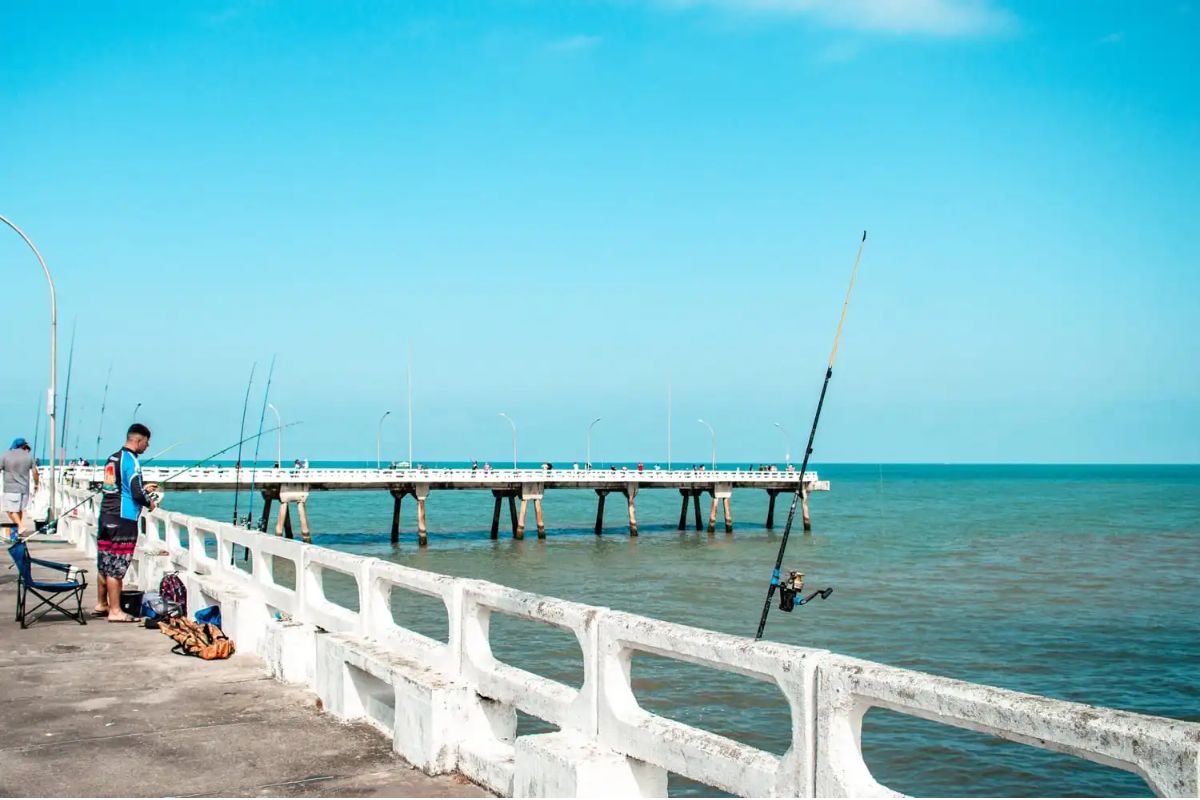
<point x="1074" y="582"/>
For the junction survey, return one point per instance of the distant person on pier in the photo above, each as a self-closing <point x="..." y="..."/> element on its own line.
<point x="18" y="465"/>
<point x="123" y="496"/>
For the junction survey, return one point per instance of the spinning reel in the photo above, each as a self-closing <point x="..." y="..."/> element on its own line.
<point x="792" y="588"/>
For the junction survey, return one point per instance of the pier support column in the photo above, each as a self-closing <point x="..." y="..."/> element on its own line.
<point x="600" y="495"/>
<point x="534" y="492"/>
<point x="696" y="508"/>
<point x="712" y="514"/>
<point x="268" y="500"/>
<point x="520" y="534"/>
<point x="305" y="535"/>
<point x="804" y="509"/>
<point x="683" y="496"/>
<point x="512" y="513"/>
<point x="724" y="493"/>
<point x="499" y="496"/>
<point x="284" y="524"/>
<point x="630" y="494"/>
<point x="771" y="494"/>
<point x="421" y="492"/>
<point x="397" y="497"/>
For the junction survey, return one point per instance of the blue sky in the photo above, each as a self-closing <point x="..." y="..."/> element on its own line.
<point x="557" y="204"/>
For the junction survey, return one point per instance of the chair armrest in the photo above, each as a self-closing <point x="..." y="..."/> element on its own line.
<point x="41" y="562"/>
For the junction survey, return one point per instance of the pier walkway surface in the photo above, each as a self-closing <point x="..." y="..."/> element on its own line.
<point x="108" y="710"/>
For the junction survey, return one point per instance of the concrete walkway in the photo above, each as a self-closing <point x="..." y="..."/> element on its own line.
<point x="107" y="710"/>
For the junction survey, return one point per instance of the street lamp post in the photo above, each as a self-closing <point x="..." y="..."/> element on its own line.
<point x="588" y="463"/>
<point x="787" y="453"/>
<point x="713" y="434"/>
<point x="52" y="400"/>
<point x="379" y="439"/>
<point x="279" y="435"/>
<point x="135" y="410"/>
<point x="514" y="429"/>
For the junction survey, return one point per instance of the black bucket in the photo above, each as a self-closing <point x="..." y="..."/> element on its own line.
<point x="131" y="601"/>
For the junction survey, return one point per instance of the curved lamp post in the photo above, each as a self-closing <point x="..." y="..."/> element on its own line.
<point x="379" y="439"/>
<point x="514" y="429"/>
<point x="135" y="410"/>
<point x="713" y="434"/>
<point x="279" y="436"/>
<point x="588" y="463"/>
<point x="787" y="453"/>
<point x="52" y="400"/>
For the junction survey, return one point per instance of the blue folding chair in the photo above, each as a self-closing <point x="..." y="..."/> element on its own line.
<point x="46" y="592"/>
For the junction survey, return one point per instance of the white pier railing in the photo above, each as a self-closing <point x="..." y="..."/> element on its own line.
<point x="452" y="705"/>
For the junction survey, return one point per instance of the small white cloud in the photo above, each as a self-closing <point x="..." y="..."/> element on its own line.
<point x="574" y="44"/>
<point x="930" y="17"/>
<point x="1112" y="38"/>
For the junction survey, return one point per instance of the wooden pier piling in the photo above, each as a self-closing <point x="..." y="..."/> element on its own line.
<point x="771" y="494"/>
<point x="397" y="498"/>
<point x="600" y="495"/>
<point x="630" y="493"/>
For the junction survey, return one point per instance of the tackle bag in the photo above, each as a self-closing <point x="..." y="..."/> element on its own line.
<point x="197" y="639"/>
<point x="155" y="609"/>
<point x="172" y="590"/>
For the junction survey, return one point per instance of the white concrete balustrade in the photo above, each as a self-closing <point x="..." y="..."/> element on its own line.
<point x="452" y="706"/>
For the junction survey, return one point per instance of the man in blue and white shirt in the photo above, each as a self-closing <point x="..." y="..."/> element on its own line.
<point x="124" y="497"/>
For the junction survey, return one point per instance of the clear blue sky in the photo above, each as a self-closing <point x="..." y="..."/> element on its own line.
<point x="558" y="203"/>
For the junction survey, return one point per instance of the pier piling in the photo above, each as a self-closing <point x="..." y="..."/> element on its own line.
<point x="631" y="493"/>
<point x="421" y="492"/>
<point x="512" y="513"/>
<point x="728" y="515"/>
<point x="712" y="514"/>
<point x="683" y="496"/>
<point x="268" y="500"/>
<point x="771" y="494"/>
<point x="520" y="534"/>
<point x="537" y="514"/>
<point x="397" y="497"/>
<point x="496" y="514"/>
<point x="600" y="495"/>
<point x="804" y="509"/>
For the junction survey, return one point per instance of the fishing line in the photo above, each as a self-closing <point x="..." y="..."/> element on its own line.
<point x="241" y="432"/>
<point x="67" y="392"/>
<point x="257" y="442"/>
<point x="100" y="425"/>
<point x="796" y="580"/>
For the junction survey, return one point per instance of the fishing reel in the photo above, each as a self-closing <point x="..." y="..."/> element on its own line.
<point x="792" y="587"/>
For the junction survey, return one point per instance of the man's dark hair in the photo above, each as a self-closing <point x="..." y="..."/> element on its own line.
<point x="137" y="429"/>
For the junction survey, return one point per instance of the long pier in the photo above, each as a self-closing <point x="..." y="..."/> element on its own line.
<point x="451" y="704"/>
<point x="528" y="486"/>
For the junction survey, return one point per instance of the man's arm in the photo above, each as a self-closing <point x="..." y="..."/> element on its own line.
<point x="37" y="478"/>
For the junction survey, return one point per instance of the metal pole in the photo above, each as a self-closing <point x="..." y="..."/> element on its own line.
<point x="588" y="464"/>
<point x="668" y="422"/>
<point x="379" y="439"/>
<point x="410" y="410"/>
<point x="135" y="410"/>
<point x="278" y="435"/>
<point x="713" y="434"/>
<point x="52" y="398"/>
<point x="787" y="454"/>
<point x="514" y="427"/>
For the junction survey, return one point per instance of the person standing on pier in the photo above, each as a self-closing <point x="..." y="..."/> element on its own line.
<point x="124" y="497"/>
<point x="18" y="464"/>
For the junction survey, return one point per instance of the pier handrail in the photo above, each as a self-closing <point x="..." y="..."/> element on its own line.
<point x="827" y="694"/>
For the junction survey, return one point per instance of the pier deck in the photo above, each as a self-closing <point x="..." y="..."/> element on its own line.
<point x="107" y="710"/>
<point x="529" y="486"/>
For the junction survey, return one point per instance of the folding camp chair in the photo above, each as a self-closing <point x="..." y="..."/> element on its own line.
<point x="46" y="591"/>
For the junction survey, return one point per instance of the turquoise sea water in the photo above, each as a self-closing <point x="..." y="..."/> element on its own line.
<point x="1076" y="582"/>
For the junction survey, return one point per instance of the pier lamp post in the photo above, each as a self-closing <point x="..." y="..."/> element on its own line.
<point x="712" y="434"/>
<point x="514" y="429"/>
<point x="379" y="439"/>
<point x="52" y="398"/>
<point x="588" y="463"/>
<point x="136" y="408"/>
<point x="279" y="436"/>
<point x="787" y="453"/>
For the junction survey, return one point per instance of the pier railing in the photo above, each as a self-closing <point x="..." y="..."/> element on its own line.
<point x="453" y="705"/>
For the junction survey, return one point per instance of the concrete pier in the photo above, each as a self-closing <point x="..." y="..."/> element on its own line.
<point x="293" y="487"/>
<point x="106" y="710"/>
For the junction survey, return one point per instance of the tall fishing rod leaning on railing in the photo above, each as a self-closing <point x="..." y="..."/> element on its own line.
<point x="794" y="584"/>
<point x="254" y="472"/>
<point x="52" y="525"/>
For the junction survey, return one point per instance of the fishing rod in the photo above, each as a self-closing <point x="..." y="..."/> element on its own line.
<point x="794" y="583"/>
<point x="51" y="525"/>
<point x="100" y="425"/>
<point x="67" y="392"/>
<point x="241" y="432"/>
<point x="257" y="442"/>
